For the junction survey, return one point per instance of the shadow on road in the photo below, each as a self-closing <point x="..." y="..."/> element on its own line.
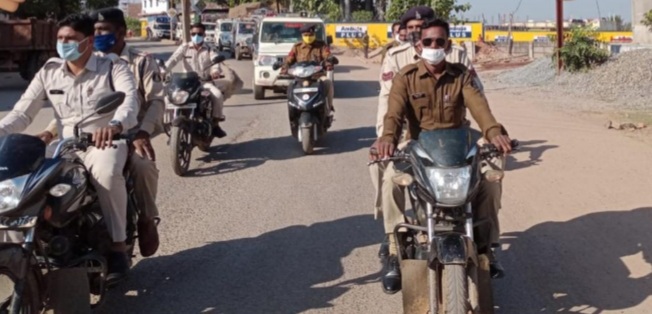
<point x="289" y="270"/>
<point x="355" y="89"/>
<point x="591" y="264"/>
<point x="237" y="156"/>
<point x="347" y="68"/>
<point x="535" y="150"/>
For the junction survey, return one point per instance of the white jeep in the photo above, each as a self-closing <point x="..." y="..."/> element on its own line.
<point x="273" y="40"/>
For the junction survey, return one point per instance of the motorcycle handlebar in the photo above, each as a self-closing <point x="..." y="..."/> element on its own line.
<point x="87" y="139"/>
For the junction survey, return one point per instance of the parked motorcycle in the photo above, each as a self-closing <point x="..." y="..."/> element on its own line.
<point x="51" y="208"/>
<point x="442" y="268"/>
<point x="308" y="107"/>
<point x="188" y="117"/>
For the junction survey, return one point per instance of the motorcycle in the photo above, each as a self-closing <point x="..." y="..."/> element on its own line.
<point x="52" y="209"/>
<point x="442" y="268"/>
<point x="188" y="118"/>
<point x="307" y="102"/>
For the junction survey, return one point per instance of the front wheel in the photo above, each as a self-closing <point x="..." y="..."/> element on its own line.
<point x="10" y="262"/>
<point x="180" y="150"/>
<point x="307" y="142"/>
<point x="455" y="291"/>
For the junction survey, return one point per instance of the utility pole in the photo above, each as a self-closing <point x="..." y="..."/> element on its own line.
<point x="560" y="33"/>
<point x="186" y="19"/>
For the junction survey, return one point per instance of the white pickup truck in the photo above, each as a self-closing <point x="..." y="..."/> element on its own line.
<point x="273" y="40"/>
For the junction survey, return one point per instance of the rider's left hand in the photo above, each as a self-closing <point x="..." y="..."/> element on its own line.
<point x="143" y="146"/>
<point x="103" y="137"/>
<point x="503" y="143"/>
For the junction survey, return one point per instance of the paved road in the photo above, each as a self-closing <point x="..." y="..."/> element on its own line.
<point x="260" y="228"/>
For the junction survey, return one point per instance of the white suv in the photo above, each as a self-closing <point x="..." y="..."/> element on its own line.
<point x="273" y="40"/>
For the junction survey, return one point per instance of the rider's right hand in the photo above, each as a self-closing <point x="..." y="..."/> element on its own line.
<point x="46" y="137"/>
<point x="384" y="150"/>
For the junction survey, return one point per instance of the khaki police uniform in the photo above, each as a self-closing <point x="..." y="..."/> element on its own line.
<point x="317" y="51"/>
<point x="73" y="98"/>
<point x="151" y="95"/>
<point x="198" y="59"/>
<point x="430" y="104"/>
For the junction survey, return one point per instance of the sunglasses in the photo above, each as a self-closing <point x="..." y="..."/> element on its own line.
<point x="427" y="42"/>
<point x="196" y="34"/>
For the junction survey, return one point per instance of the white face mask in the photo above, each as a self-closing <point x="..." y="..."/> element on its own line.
<point x="433" y="56"/>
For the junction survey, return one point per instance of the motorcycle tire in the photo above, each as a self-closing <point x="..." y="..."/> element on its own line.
<point x="455" y="291"/>
<point x="180" y="150"/>
<point x="10" y="260"/>
<point x="307" y="142"/>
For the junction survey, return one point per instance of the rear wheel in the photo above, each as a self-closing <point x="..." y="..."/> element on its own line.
<point x="10" y="262"/>
<point x="307" y="142"/>
<point x="455" y="289"/>
<point x="259" y="92"/>
<point x="180" y="150"/>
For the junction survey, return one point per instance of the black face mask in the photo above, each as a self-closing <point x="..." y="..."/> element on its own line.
<point x="414" y="37"/>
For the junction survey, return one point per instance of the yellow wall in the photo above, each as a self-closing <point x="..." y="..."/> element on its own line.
<point x="378" y="33"/>
<point x="352" y="35"/>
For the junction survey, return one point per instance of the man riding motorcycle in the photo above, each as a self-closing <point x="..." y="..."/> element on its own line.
<point x="390" y="198"/>
<point x="311" y="49"/>
<point x="72" y="84"/>
<point x="455" y="89"/>
<point x="110" y="32"/>
<point x="196" y="56"/>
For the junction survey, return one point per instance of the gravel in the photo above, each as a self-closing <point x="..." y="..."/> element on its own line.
<point x="624" y="82"/>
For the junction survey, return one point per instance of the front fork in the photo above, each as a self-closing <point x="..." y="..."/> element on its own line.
<point x="19" y="286"/>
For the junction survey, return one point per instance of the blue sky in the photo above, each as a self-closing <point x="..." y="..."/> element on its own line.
<point x="545" y="9"/>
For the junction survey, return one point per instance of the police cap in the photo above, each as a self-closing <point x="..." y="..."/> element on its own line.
<point x="421" y="12"/>
<point x="110" y="15"/>
<point x="308" y="28"/>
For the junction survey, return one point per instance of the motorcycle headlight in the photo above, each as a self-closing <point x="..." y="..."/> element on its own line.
<point x="302" y="71"/>
<point x="179" y="97"/>
<point x="10" y="191"/>
<point x="451" y="185"/>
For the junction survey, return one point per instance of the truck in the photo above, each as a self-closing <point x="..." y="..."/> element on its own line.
<point x="26" y="45"/>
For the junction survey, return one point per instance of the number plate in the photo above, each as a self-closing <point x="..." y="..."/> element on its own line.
<point x="187" y="106"/>
<point x="24" y="222"/>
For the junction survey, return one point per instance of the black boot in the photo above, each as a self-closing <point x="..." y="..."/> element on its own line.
<point x="118" y="268"/>
<point x="496" y="269"/>
<point x="217" y="130"/>
<point x="392" y="278"/>
<point x="384" y="248"/>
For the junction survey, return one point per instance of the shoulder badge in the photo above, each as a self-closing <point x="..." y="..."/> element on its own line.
<point x="408" y="68"/>
<point x="387" y="76"/>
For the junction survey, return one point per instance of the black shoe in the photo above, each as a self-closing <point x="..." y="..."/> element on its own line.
<point x="118" y="268"/>
<point x="392" y="278"/>
<point x="384" y="248"/>
<point x="496" y="269"/>
<point x="218" y="132"/>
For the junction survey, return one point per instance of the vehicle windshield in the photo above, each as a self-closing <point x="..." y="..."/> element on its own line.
<point x="210" y="27"/>
<point x="161" y="26"/>
<point x="447" y="147"/>
<point x="287" y="32"/>
<point x="226" y="27"/>
<point x="246" y="28"/>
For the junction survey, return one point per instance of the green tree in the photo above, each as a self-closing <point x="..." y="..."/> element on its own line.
<point x="446" y="9"/>
<point x="581" y="51"/>
<point x="329" y="8"/>
<point x="100" y="4"/>
<point x="647" y="19"/>
<point x="42" y="9"/>
<point x="362" y="16"/>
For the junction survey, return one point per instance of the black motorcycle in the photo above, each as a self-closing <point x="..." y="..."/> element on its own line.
<point x="308" y="102"/>
<point x="51" y="207"/>
<point x="442" y="268"/>
<point x="188" y="118"/>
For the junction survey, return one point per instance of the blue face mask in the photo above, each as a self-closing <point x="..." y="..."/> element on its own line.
<point x="197" y="39"/>
<point x="69" y="51"/>
<point x="104" y="43"/>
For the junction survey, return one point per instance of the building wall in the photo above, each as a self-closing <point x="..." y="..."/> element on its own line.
<point x="155" y="6"/>
<point x="642" y="34"/>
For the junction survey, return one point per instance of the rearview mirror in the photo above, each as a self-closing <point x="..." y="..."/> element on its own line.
<point x="333" y="60"/>
<point x="160" y="63"/>
<point x="329" y="39"/>
<point x="218" y="59"/>
<point x="277" y="65"/>
<point x="110" y="102"/>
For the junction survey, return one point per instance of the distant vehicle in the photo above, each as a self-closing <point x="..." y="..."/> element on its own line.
<point x="242" y="30"/>
<point x="210" y="32"/>
<point x="159" y="28"/>
<point x="26" y="45"/>
<point x="224" y="34"/>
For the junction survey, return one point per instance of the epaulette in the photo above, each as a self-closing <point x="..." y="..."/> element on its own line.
<point x="408" y="68"/>
<point x="53" y="61"/>
<point x="397" y="49"/>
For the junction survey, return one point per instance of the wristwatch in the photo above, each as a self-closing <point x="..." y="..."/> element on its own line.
<point x="116" y="123"/>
